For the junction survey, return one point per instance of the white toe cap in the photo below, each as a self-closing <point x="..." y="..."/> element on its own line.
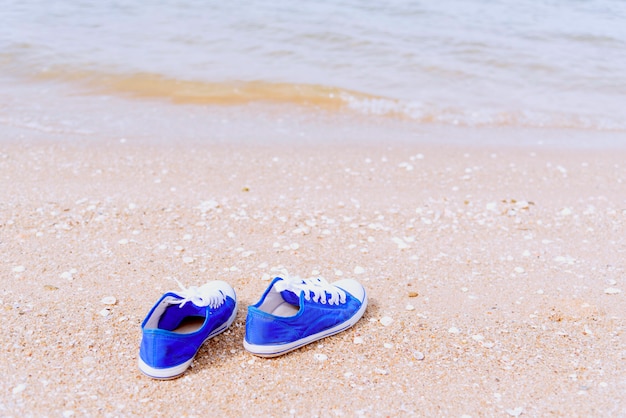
<point x="226" y="289"/>
<point x="353" y="287"/>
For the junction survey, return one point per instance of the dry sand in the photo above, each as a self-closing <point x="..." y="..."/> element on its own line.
<point x="496" y="277"/>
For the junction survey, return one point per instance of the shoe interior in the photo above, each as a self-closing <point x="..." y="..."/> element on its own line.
<point x="285" y="309"/>
<point x="189" y="324"/>
<point x="275" y="304"/>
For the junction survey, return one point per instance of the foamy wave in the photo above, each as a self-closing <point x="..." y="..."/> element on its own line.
<point x="427" y="113"/>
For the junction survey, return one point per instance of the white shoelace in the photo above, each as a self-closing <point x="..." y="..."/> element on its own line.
<point x="319" y="287"/>
<point x="206" y="295"/>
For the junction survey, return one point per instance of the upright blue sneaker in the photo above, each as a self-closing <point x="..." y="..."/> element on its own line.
<point x="180" y="322"/>
<point x="294" y="312"/>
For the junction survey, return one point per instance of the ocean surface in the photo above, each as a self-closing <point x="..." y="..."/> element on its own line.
<point x="555" y="64"/>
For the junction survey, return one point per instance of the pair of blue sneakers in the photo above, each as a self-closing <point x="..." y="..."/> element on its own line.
<point x="291" y="313"/>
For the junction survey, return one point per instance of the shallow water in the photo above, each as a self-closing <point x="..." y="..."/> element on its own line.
<point x="529" y="63"/>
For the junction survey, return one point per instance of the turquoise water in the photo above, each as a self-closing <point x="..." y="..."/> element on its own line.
<point x="529" y="63"/>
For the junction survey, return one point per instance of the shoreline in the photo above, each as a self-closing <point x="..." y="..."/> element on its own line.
<point x="53" y="111"/>
<point x="495" y="275"/>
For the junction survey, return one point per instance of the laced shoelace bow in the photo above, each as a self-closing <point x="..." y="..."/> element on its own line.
<point x="319" y="287"/>
<point x="206" y="295"/>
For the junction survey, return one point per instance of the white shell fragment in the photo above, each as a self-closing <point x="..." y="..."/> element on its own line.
<point x="612" y="291"/>
<point x="402" y="245"/>
<point x="515" y="412"/>
<point x="19" y="388"/>
<point x="386" y="320"/>
<point x="320" y="357"/>
<point x="109" y="300"/>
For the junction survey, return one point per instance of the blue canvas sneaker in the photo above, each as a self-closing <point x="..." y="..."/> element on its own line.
<point x="180" y="322"/>
<point x="294" y="312"/>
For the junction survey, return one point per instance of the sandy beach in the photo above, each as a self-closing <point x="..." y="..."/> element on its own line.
<point x="496" y="276"/>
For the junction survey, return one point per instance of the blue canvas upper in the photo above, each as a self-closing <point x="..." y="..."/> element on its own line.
<point x="312" y="317"/>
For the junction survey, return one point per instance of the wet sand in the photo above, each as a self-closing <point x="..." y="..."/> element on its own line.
<point x="496" y="276"/>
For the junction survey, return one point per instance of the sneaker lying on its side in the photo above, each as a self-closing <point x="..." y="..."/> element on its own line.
<point x="295" y="312"/>
<point x="180" y="322"/>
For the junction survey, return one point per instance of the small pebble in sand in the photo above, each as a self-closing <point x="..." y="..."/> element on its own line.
<point x="19" y="269"/>
<point x="410" y="307"/>
<point x="50" y="287"/>
<point x="519" y="270"/>
<point x="123" y="241"/>
<point x="386" y="320"/>
<point x="413" y="294"/>
<point x="359" y="270"/>
<point x="388" y="345"/>
<point x="454" y="330"/>
<point x="418" y="355"/>
<point x="612" y="291"/>
<point x="109" y="300"/>
<point x="105" y="312"/>
<point x="320" y="357"/>
<point x="358" y="340"/>
<point x="188" y="260"/>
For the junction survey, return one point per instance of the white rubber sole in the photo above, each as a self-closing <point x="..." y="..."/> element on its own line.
<point x="280" y="349"/>
<point x="175" y="371"/>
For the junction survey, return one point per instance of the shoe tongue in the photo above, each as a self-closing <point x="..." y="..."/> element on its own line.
<point x="174" y="315"/>
<point x="290" y="297"/>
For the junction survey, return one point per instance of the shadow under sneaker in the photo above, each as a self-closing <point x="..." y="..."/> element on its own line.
<point x="294" y="312"/>
<point x="180" y="322"/>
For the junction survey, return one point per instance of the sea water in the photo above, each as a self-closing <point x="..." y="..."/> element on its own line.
<point x="555" y="64"/>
